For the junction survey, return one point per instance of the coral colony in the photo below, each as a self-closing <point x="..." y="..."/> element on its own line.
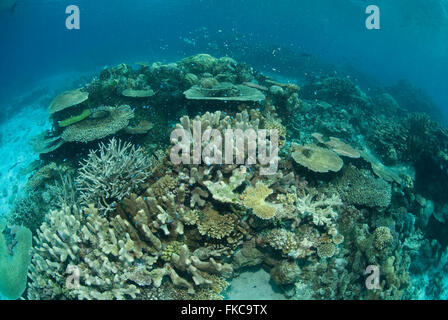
<point x="235" y="142"/>
<point x="168" y="181"/>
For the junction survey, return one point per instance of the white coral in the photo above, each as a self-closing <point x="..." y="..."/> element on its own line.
<point x="111" y="173"/>
<point x="321" y="209"/>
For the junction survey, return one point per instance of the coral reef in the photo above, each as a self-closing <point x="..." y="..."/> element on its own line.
<point x="357" y="184"/>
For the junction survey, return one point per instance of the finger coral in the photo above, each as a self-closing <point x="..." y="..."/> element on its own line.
<point x="82" y="255"/>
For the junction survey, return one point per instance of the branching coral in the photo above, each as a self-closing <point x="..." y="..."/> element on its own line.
<point x="224" y="192"/>
<point x="320" y="208"/>
<point x="190" y="264"/>
<point x="111" y="173"/>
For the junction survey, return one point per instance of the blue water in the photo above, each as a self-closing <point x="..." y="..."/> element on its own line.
<point x="412" y="43"/>
<point x="289" y="40"/>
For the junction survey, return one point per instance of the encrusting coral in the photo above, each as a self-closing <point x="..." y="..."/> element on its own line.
<point x="15" y="246"/>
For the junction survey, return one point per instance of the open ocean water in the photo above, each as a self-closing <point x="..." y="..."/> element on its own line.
<point x="352" y="96"/>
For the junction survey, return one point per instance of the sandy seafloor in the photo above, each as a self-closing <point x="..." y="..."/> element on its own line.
<point x="32" y="118"/>
<point x="16" y="153"/>
<point x="254" y="284"/>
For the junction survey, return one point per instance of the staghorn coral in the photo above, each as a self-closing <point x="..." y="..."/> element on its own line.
<point x="111" y="173"/>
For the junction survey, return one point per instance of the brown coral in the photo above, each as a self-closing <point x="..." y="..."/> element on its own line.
<point x="317" y="159"/>
<point x="337" y="146"/>
<point x="254" y="198"/>
<point x="67" y="99"/>
<point x="216" y="225"/>
<point x="94" y="129"/>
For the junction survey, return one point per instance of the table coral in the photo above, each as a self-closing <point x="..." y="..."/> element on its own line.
<point x="94" y="129"/>
<point x="67" y="100"/>
<point x="317" y="159"/>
